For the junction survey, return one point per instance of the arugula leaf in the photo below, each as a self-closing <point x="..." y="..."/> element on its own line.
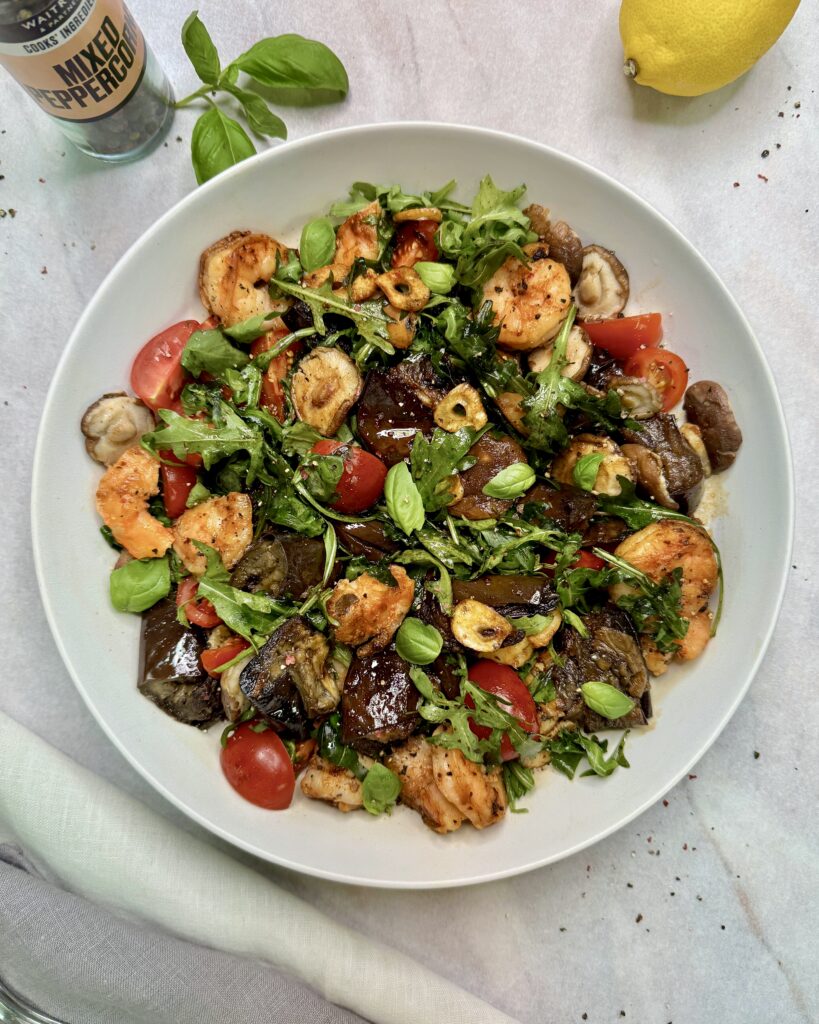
<point x="606" y="699"/>
<point x="497" y="229"/>
<point x="139" y="584"/>
<point x="542" y="688"/>
<point x="574" y="620"/>
<point x="585" y="470"/>
<point x="321" y="475"/>
<point x="404" y="503"/>
<point x="636" y="512"/>
<point x="198" y="494"/>
<point x="569" y="747"/>
<point x="531" y="624"/>
<point x="332" y="749"/>
<point x="518" y="781"/>
<point x="654" y="607"/>
<point x="546" y="429"/>
<point x="380" y="789"/>
<point x="369" y="318"/>
<point x="228" y="434"/>
<point x="209" y="351"/>
<point x="299" y="438"/>
<point x="442" y="587"/>
<point x="435" y="461"/>
<point x="394" y="199"/>
<point x="218" y="142"/>
<point x="253" y="616"/>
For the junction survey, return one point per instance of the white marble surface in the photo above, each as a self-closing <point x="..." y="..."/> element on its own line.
<point x="704" y="909"/>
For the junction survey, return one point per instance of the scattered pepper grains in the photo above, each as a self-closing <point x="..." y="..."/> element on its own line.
<point x="756" y="755"/>
<point x="736" y="184"/>
<point x="762" y="178"/>
<point x="638" y="918"/>
<point x="765" y="153"/>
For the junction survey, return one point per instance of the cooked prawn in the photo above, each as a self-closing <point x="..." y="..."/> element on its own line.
<point x="224" y="523"/>
<point x="477" y="792"/>
<point x="333" y="784"/>
<point x="659" y="549"/>
<point x="365" y="609"/>
<point x="122" y="502"/>
<point x="412" y="763"/>
<point x="530" y="300"/>
<point x="357" y="237"/>
<point x="234" y="273"/>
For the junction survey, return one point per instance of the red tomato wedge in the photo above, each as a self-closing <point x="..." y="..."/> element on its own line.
<point x="362" y="481"/>
<point x="414" y="243"/>
<point x="623" y="337"/>
<point x="664" y="369"/>
<point x="258" y="767"/>
<point x="514" y="696"/>
<point x="178" y="479"/>
<point x="157" y="374"/>
<point x="199" y="611"/>
<point x="213" y="658"/>
<point x="273" y="398"/>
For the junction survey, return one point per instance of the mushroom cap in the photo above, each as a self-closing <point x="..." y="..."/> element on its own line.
<point x="602" y="289"/>
<point x="113" y="424"/>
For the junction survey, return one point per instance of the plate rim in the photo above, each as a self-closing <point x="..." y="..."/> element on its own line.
<point x="38" y="486"/>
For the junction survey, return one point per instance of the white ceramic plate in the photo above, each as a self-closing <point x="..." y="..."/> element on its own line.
<point x="154" y="284"/>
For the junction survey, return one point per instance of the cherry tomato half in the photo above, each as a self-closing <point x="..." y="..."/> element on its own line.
<point x="506" y="684"/>
<point x="361" y="483"/>
<point x="272" y="397"/>
<point x="258" y="767"/>
<point x="623" y="337"/>
<point x="664" y="369"/>
<point x="178" y="480"/>
<point x="414" y="243"/>
<point x="199" y="611"/>
<point x="214" y="657"/>
<point x="157" y="374"/>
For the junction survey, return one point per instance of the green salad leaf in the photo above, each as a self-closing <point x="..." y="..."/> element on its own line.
<point x="511" y="482"/>
<point x="585" y="470"/>
<point x="380" y="789"/>
<point x="318" y="243"/>
<point x="404" y="503"/>
<point x="435" y="462"/>
<point x="570" y="747"/>
<point x="139" y="584"/>
<point x="606" y="699"/>
<point x="418" y="643"/>
<point x="210" y="351"/>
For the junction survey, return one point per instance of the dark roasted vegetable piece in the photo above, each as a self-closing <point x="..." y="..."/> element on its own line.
<point x="287" y="680"/>
<point x="569" y="507"/>
<point x="493" y="453"/>
<point x="601" y="369"/>
<point x="605" y="531"/>
<point x="281" y="564"/>
<point x="681" y="466"/>
<point x="170" y="672"/>
<point x="506" y="590"/>
<point x="366" y="539"/>
<point x="378" y="702"/>
<point x="610" y="654"/>
<point x="706" y="404"/>
<point x="298" y="316"/>
<point x="394" y="404"/>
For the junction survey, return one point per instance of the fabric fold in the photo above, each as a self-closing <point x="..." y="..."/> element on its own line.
<point x="108" y="849"/>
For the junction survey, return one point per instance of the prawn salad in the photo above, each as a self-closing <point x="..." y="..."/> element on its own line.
<point x="410" y="508"/>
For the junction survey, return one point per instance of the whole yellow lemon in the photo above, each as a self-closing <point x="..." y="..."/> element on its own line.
<point x="689" y="47"/>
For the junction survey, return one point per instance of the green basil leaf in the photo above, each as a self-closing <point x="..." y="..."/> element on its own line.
<point x="218" y="142"/>
<point x="380" y="789"/>
<point x="585" y="470"/>
<point x="200" y="49"/>
<point x="404" y="504"/>
<point x="511" y="482"/>
<point x="198" y="494"/>
<point x="418" y="643"/>
<point x="573" y="619"/>
<point x="332" y="749"/>
<point x="531" y="624"/>
<point x="138" y="585"/>
<point x="318" y="243"/>
<point x="259" y="116"/>
<point x="606" y="699"/>
<point x="209" y="351"/>
<point x="438" y="277"/>
<point x="291" y="63"/>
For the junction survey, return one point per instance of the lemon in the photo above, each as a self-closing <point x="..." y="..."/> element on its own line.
<point x="689" y="47"/>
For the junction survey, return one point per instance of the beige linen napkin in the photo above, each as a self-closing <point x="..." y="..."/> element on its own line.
<point x="102" y="845"/>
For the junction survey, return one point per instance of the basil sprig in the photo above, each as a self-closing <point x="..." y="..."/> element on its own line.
<point x="318" y="243"/>
<point x="138" y="585"/>
<point x="586" y="469"/>
<point x="293" y="70"/>
<point x="404" y="503"/>
<point x="510" y="482"/>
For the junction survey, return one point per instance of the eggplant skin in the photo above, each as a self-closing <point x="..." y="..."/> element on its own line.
<point x="281" y="564"/>
<point x="170" y="670"/>
<point x="497" y="591"/>
<point x="378" y="703"/>
<point x="367" y="539"/>
<point x="492" y="453"/>
<point x="610" y="654"/>
<point x="285" y="673"/>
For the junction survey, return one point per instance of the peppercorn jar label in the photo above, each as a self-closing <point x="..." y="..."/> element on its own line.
<point x="79" y="60"/>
